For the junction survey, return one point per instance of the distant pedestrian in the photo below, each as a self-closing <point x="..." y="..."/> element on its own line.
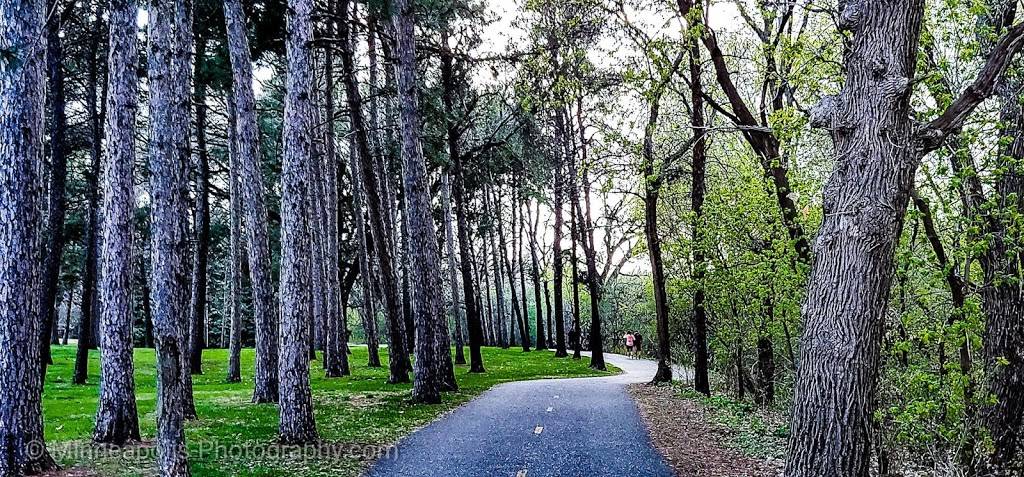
<point x="629" y="343"/>
<point x="638" y="344"/>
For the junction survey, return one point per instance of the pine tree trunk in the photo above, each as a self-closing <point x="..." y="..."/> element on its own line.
<point x="255" y="221"/>
<point x="473" y="318"/>
<point x="369" y="311"/>
<point x="373" y="184"/>
<point x="201" y="257"/>
<point x="234" y="247"/>
<point x="542" y="341"/>
<point x="169" y="47"/>
<point x="433" y="371"/>
<point x="453" y="279"/>
<point x="91" y="245"/>
<point x="22" y="107"/>
<point x="56" y="205"/>
<point x="117" y="420"/>
<point x="561" y="155"/>
<point x="524" y="323"/>
<point x="295" y="399"/>
<point x="499" y="289"/>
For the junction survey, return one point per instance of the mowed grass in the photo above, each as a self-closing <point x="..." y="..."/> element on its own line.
<point x="357" y="416"/>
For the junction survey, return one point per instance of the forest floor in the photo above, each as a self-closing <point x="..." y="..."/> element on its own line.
<point x="359" y="417"/>
<point x="710" y="437"/>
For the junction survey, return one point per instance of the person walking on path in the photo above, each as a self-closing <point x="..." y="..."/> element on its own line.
<point x="629" y="344"/>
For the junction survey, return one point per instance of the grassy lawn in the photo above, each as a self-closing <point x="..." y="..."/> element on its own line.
<point x="357" y="416"/>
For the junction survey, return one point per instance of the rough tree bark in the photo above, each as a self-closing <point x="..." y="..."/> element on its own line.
<point x="433" y="371"/>
<point x="117" y="420"/>
<point x="253" y="195"/>
<point x="295" y="400"/>
<point x="865" y="201"/>
<point x="22" y="105"/>
<point x="499" y="289"/>
<point x="168" y="164"/>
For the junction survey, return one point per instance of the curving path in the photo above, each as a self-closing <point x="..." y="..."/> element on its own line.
<point x="557" y="427"/>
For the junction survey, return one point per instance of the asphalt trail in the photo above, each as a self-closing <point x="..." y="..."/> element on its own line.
<point x="558" y="427"/>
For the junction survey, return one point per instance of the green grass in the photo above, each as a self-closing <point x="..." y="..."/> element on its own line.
<point x="357" y="416"/>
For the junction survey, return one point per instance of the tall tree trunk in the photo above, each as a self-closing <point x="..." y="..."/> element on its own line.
<point x="147" y="310"/>
<point x="201" y="257"/>
<point x="433" y="372"/>
<point x="117" y="420"/>
<point x="524" y="323"/>
<point x="253" y="195"/>
<point x="701" y="382"/>
<point x="485" y="279"/>
<point x="373" y="183"/>
<point x="295" y="399"/>
<point x="561" y="156"/>
<point x="369" y="312"/>
<point x="1002" y="296"/>
<point x="865" y="203"/>
<point x="90" y="271"/>
<point x="473" y="318"/>
<point x="453" y="279"/>
<point x="499" y="291"/>
<point x="542" y="342"/>
<point x="22" y="108"/>
<point x="234" y="247"/>
<point x="56" y="203"/>
<point x="168" y="164"/>
<point x="574" y="228"/>
<point x="585" y="221"/>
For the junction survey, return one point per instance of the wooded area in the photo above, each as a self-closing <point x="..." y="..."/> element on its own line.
<point x="816" y="205"/>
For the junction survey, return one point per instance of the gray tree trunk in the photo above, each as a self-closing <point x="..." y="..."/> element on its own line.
<point x="542" y="339"/>
<point x="117" y="420"/>
<point x="295" y="400"/>
<point x="256" y="226"/>
<point x="433" y="372"/>
<point x="235" y="247"/>
<point x="499" y="292"/>
<point x="168" y="164"/>
<point x="201" y="252"/>
<point x="22" y="105"/>
<point x="880" y="147"/>
<point x="453" y="278"/>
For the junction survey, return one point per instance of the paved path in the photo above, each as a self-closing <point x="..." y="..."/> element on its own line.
<point x="555" y="427"/>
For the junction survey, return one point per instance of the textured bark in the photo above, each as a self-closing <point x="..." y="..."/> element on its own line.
<point x="453" y="278"/>
<point x="234" y="247"/>
<point x="864" y="204"/>
<point x="22" y="105"/>
<point x="368" y="312"/>
<point x="542" y="341"/>
<point x="371" y="178"/>
<point x="433" y="371"/>
<point x="514" y="299"/>
<point x="295" y="399"/>
<point x="557" y="257"/>
<point x="56" y="203"/>
<point x="168" y="164"/>
<point x="117" y="420"/>
<point x="201" y="251"/>
<point x="253" y="195"/>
